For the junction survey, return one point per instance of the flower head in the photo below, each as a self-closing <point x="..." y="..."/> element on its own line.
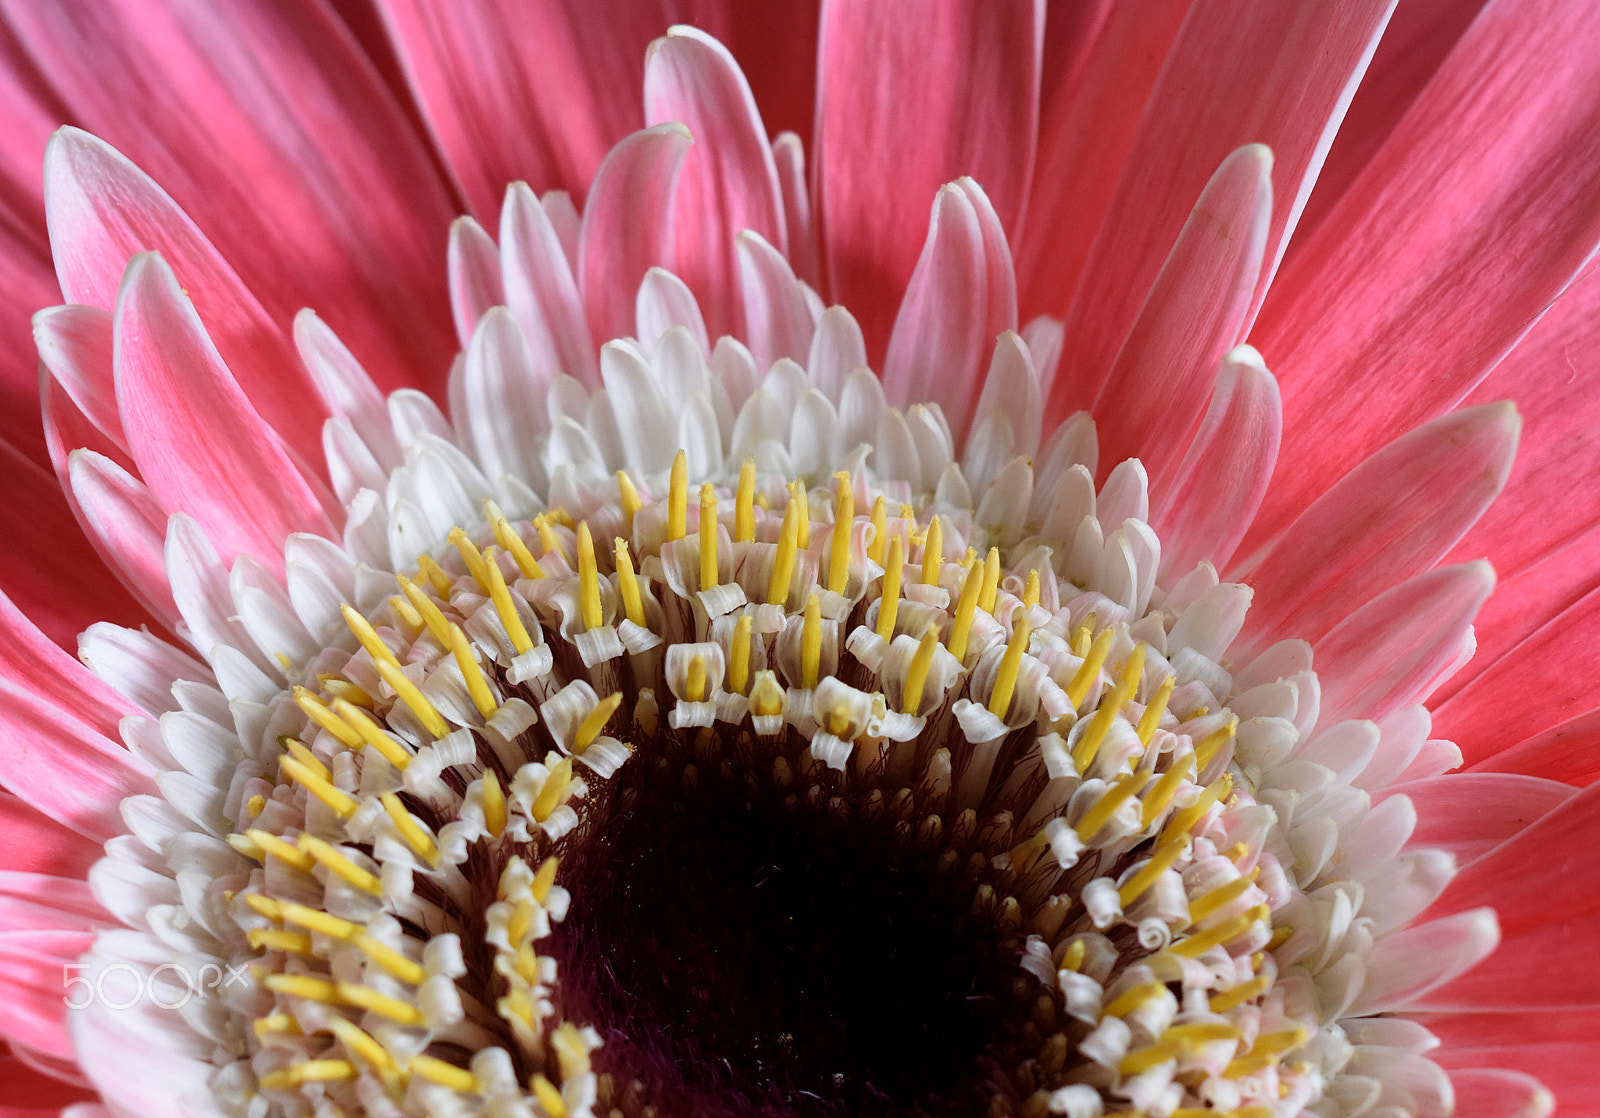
<point x="784" y="678"/>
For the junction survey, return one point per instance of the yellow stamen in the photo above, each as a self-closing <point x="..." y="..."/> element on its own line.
<point x="388" y="958"/>
<point x="549" y="1098"/>
<point x="802" y="503"/>
<point x="628" y="583"/>
<point x="300" y="753"/>
<point x="413" y="698"/>
<point x="628" y="493"/>
<point x="279" y="941"/>
<point x="428" y="568"/>
<point x="506" y="610"/>
<point x="340" y="688"/>
<point x="443" y="1074"/>
<point x="991" y="580"/>
<point x="416" y="838"/>
<point x="1118" y="793"/>
<point x="365" y="997"/>
<point x="549" y="797"/>
<point x="1072" y="957"/>
<point x="1142" y="1060"/>
<point x="1088" y="747"/>
<point x="589" y="729"/>
<point x="303" y="986"/>
<point x="318" y="921"/>
<point x="844" y="514"/>
<point x="471" y="556"/>
<point x="1151" y="718"/>
<point x="340" y="866"/>
<point x="678" y="498"/>
<point x="308" y="1071"/>
<point x="1030" y="592"/>
<point x="276" y="1023"/>
<point x="283" y="851"/>
<point x="264" y="906"/>
<point x="549" y="542"/>
<point x="966" y="609"/>
<point x="766" y="696"/>
<point x="694" y="688"/>
<point x="372" y="734"/>
<point x="811" y="643"/>
<point x="544" y="878"/>
<point x="318" y="712"/>
<point x="889" y="598"/>
<point x="1238" y="995"/>
<point x="1214" y="742"/>
<point x="1005" y="679"/>
<point x="744" y="504"/>
<point x="917" y="673"/>
<point x="783" y="562"/>
<point x="359" y="1043"/>
<point x="880" y="530"/>
<point x="1132" y="998"/>
<point x="1202" y="942"/>
<point x="424" y="605"/>
<point x="933" y="553"/>
<point x="477" y="685"/>
<point x="511" y="540"/>
<point x="341" y="802"/>
<point x="1089" y="671"/>
<point x="1222" y="895"/>
<point x="1189" y="816"/>
<point x="1280" y="936"/>
<point x="1165" y="788"/>
<point x="406" y="612"/>
<point x="1136" y="886"/>
<point x="1202" y="1032"/>
<point x="1265" y="1052"/>
<point x="739" y="656"/>
<point x="588" y="579"/>
<point x="494" y="804"/>
<point x="708" y="536"/>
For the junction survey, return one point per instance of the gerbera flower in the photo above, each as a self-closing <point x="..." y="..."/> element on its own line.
<point x="829" y="654"/>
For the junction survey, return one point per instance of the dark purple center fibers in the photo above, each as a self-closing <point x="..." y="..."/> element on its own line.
<point x="745" y="950"/>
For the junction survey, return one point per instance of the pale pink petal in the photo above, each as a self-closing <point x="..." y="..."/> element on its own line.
<point x="1569" y="753"/>
<point x="272" y="131"/>
<point x="1100" y="62"/>
<point x="1545" y="885"/>
<point x="475" y="285"/>
<point x="962" y="296"/>
<point x="1469" y="814"/>
<point x="627" y="224"/>
<point x="778" y="321"/>
<point x="540" y="288"/>
<point x="1392" y="651"/>
<point x="1205" y="510"/>
<point x="1568" y="645"/>
<point x="345" y="385"/>
<point x="1557" y="1049"/>
<point x="200" y="446"/>
<point x="1395" y="514"/>
<point x="128" y="526"/>
<point x="1406" y="965"/>
<point x="1489" y="190"/>
<point x="104" y="210"/>
<point x="1154" y="396"/>
<point x="544" y="105"/>
<point x="729" y="182"/>
<point x="665" y="301"/>
<point x="75" y="345"/>
<point x="1247" y="71"/>
<point x="969" y="69"/>
<point x="799" y="216"/>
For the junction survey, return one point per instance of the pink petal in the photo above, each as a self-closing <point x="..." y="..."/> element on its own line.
<point x="627" y="224"/>
<point x="1497" y="1093"/>
<point x="1154" y="395"/>
<point x="1555" y="1048"/>
<point x="32" y="969"/>
<point x="1566" y="654"/>
<point x="1469" y="814"/>
<point x="1569" y="753"/>
<point x="1391" y="652"/>
<point x="33" y="1094"/>
<point x="1100" y="62"/>
<point x="1247" y="71"/>
<point x="200" y="445"/>
<point x="291" y="156"/>
<point x="1545" y="885"/>
<point x="1406" y="965"/>
<point x="540" y="289"/>
<point x="776" y="47"/>
<point x="128" y="527"/>
<point x="1488" y="189"/>
<point x="75" y="345"/>
<point x="104" y="210"/>
<point x="543" y="105"/>
<point x="971" y="71"/>
<point x="1205" y="510"/>
<point x="35" y="843"/>
<point x="1395" y="514"/>
<point x="729" y="182"/>
<point x="475" y="284"/>
<point x="961" y="297"/>
<point x="778" y="322"/>
<point x="799" y="216"/>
